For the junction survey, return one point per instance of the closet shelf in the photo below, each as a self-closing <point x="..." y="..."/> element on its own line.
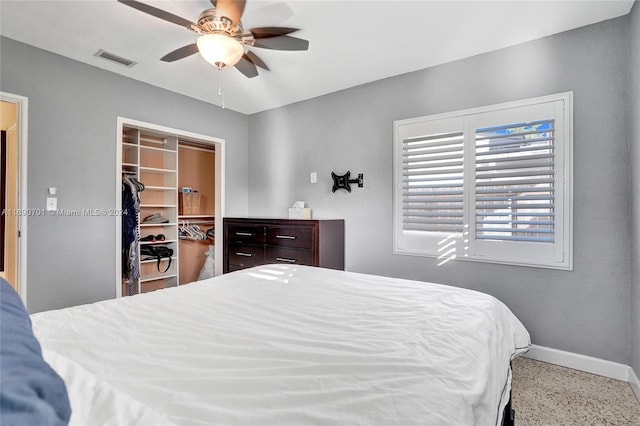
<point x="153" y="148"/>
<point x="156" y="277"/>
<point x="158" y="224"/>
<point x="129" y="145"/>
<point x="160" y="188"/>
<point x="157" y="206"/>
<point x="129" y="165"/>
<point x="173" y="258"/>
<point x="196" y="216"/>
<point x="157" y="242"/>
<point x="156" y="170"/>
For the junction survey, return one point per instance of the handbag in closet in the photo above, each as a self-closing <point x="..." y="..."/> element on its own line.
<point x="157" y="252"/>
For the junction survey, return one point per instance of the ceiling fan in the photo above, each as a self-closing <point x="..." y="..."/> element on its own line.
<point x="222" y="37"/>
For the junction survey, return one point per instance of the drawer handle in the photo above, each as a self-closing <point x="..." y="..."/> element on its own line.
<point x="286" y="237"/>
<point x="239" y="253"/>
<point x="284" y="259"/>
<point x="244" y="234"/>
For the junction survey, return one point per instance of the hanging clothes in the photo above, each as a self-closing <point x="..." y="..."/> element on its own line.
<point x="131" y="189"/>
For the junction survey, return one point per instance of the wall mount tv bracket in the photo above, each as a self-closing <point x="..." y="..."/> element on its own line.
<point x="343" y="182"/>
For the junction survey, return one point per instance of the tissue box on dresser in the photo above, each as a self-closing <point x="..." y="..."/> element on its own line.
<point x="299" y="213"/>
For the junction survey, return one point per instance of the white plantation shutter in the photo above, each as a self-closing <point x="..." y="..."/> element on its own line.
<point x="490" y="184"/>
<point x="514" y="182"/>
<point x="432" y="192"/>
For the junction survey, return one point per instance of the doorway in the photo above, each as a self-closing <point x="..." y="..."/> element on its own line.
<point x="149" y="152"/>
<point x="13" y="127"/>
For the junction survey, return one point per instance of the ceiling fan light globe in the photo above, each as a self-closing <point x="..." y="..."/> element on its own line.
<point x="220" y="50"/>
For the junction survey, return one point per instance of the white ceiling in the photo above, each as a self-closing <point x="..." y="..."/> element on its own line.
<point x="351" y="42"/>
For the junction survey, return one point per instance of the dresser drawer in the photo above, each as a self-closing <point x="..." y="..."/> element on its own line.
<point x="253" y="234"/>
<point x="246" y="256"/>
<point x="290" y="236"/>
<point x="290" y="256"/>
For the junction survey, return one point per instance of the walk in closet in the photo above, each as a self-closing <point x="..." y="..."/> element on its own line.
<point x="169" y="209"/>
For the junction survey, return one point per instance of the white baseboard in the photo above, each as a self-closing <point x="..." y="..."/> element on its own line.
<point x="601" y="367"/>
<point x="635" y="383"/>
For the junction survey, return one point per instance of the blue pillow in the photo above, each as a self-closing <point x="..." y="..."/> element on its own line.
<point x="31" y="393"/>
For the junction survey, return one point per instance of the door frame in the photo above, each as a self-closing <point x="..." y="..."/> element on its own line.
<point x="219" y="146"/>
<point x="22" y="125"/>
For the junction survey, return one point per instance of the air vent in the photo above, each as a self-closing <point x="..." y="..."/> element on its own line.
<point x="114" y="58"/>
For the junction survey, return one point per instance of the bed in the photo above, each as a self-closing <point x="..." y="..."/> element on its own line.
<point x="287" y="345"/>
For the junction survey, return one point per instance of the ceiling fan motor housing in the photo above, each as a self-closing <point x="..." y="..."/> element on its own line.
<point x="210" y="22"/>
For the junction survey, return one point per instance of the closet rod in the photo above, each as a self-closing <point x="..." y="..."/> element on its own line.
<point x="162" y="141"/>
<point x="196" y="146"/>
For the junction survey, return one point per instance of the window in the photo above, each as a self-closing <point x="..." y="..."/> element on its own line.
<point x="488" y="184"/>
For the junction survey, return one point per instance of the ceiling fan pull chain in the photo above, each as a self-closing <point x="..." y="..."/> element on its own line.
<point x="221" y="86"/>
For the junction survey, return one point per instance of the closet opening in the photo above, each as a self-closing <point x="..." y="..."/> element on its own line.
<point x="170" y="189"/>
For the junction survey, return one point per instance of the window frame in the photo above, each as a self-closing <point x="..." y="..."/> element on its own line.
<point x="447" y="246"/>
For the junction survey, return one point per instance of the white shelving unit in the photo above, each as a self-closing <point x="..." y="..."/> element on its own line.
<point x="153" y="156"/>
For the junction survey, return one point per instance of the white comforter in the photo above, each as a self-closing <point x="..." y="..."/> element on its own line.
<point x="287" y="345"/>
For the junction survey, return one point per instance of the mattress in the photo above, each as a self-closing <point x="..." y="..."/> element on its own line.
<point x="287" y="345"/>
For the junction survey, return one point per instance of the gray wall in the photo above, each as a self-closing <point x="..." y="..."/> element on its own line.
<point x="634" y="140"/>
<point x="72" y="146"/>
<point x="586" y="310"/>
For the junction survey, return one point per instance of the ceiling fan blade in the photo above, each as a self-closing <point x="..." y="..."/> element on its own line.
<point x="266" y="32"/>
<point x="246" y="67"/>
<point x="282" y="43"/>
<point x="231" y="9"/>
<point x="180" y="53"/>
<point x="256" y="60"/>
<point x="159" y="13"/>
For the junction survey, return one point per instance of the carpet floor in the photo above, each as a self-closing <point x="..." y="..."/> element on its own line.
<point x="547" y="394"/>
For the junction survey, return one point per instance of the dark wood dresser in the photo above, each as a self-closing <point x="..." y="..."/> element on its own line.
<point x="253" y="242"/>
